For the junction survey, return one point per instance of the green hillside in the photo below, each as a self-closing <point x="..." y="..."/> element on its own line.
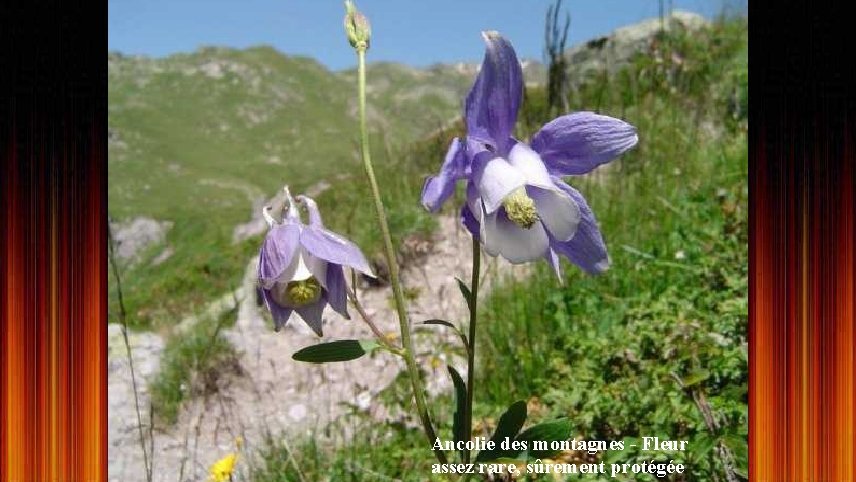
<point x="201" y="139"/>
<point x="216" y="126"/>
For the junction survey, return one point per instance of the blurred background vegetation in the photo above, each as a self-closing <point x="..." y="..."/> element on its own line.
<point x="656" y="346"/>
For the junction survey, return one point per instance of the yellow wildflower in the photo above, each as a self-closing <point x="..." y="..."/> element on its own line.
<point x="221" y="470"/>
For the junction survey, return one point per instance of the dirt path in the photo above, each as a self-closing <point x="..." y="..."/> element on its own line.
<point x="276" y="396"/>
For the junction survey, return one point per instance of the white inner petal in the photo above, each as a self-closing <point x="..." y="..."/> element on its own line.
<point x="559" y="213"/>
<point x="516" y="244"/>
<point x="316" y="266"/>
<point x="529" y="163"/>
<point x="297" y="270"/>
<point x="485" y="219"/>
<point x="497" y="181"/>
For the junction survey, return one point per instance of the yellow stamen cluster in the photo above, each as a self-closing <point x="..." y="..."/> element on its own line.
<point x="520" y="209"/>
<point x="303" y="292"/>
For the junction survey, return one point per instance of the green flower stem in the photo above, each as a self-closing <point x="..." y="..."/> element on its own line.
<point x="368" y="320"/>
<point x="471" y="350"/>
<point x="412" y="368"/>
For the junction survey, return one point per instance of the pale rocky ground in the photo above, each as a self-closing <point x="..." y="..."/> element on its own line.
<point x="273" y="395"/>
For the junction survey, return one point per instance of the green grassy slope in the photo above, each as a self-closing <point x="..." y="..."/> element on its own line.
<point x="198" y="138"/>
<point x="220" y="124"/>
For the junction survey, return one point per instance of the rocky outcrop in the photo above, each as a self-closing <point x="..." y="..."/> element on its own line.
<point x="132" y="237"/>
<point x="614" y="51"/>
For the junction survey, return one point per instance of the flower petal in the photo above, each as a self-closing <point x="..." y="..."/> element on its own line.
<point x="334" y="249"/>
<point x="316" y="266"/>
<point x="336" y="289"/>
<point x="495" y="179"/>
<point x="314" y="214"/>
<point x="438" y="188"/>
<point x="529" y="163"/>
<point x="311" y="314"/>
<point x="299" y="268"/>
<point x="470" y="222"/>
<point x="553" y="260"/>
<point x="474" y="200"/>
<point x="557" y="211"/>
<point x="277" y="252"/>
<point x="517" y="245"/>
<point x="586" y="249"/>
<point x="577" y="143"/>
<point x="493" y="102"/>
<point x="280" y="314"/>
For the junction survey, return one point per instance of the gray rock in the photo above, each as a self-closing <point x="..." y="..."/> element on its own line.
<point x="257" y="224"/>
<point x="616" y="50"/>
<point x="132" y="237"/>
<point x="163" y="256"/>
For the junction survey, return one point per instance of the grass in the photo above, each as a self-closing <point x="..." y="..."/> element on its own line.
<point x="197" y="138"/>
<point x="605" y="351"/>
<point x="657" y="340"/>
<point x="626" y="354"/>
<point x="397" y="449"/>
<point x="192" y="365"/>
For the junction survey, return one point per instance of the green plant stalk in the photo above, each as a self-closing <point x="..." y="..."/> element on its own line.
<point x="471" y="349"/>
<point x="389" y="252"/>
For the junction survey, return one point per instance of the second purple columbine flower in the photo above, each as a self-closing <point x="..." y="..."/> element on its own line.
<point x="517" y="204"/>
<point x="301" y="267"/>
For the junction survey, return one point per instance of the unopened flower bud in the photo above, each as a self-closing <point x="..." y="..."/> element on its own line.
<point x="357" y="27"/>
<point x="520" y="209"/>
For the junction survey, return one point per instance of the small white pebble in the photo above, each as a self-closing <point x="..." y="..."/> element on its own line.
<point x="364" y="400"/>
<point x="297" y="411"/>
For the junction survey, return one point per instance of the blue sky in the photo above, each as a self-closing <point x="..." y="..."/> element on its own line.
<point x="417" y="33"/>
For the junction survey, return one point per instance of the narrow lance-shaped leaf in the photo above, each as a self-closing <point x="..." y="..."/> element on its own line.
<point x="468" y="295"/>
<point x="460" y="408"/>
<point x="462" y="336"/>
<point x="509" y="426"/>
<point x="440" y="322"/>
<point x="335" y="351"/>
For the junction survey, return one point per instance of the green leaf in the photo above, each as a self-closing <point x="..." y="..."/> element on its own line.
<point x="696" y="377"/>
<point x="558" y="430"/>
<point x="702" y="445"/>
<point x="468" y="295"/>
<point x="509" y="426"/>
<point x="461" y="335"/>
<point x="440" y="322"/>
<point x="739" y="448"/>
<point x="335" y="351"/>
<point x="459" y="423"/>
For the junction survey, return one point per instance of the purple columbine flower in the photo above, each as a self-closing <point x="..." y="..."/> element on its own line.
<point x="517" y="204"/>
<point x="301" y="266"/>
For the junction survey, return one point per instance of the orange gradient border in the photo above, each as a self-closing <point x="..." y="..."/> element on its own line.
<point x="801" y="316"/>
<point x="53" y="422"/>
